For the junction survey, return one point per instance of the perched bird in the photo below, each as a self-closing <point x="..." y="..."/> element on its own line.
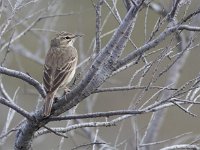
<point x="60" y="65"/>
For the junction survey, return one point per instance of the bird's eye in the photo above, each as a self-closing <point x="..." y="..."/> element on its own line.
<point x="67" y="37"/>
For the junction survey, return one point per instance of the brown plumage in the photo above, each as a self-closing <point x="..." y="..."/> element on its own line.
<point x="60" y="65"/>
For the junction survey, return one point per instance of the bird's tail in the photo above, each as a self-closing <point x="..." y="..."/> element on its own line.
<point x="48" y="104"/>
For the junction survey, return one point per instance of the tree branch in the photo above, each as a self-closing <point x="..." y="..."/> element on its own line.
<point x="18" y="109"/>
<point x="25" y="77"/>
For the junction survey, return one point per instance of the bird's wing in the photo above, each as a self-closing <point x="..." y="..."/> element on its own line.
<point x="59" y="68"/>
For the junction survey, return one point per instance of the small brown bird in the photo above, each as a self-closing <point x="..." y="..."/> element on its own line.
<point x="60" y="65"/>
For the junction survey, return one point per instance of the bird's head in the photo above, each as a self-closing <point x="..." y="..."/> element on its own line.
<point x="64" y="39"/>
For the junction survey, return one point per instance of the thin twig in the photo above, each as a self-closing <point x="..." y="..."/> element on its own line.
<point x="127" y="88"/>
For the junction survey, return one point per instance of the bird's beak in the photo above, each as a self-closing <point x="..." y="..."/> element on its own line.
<point x="78" y="35"/>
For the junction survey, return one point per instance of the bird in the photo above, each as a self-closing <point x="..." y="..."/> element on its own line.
<point x="59" y="67"/>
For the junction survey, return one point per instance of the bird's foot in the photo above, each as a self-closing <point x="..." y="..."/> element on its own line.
<point x="66" y="90"/>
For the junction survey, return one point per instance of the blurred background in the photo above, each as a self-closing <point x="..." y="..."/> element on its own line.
<point x="27" y="54"/>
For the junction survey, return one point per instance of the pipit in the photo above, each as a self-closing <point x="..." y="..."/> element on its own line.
<point x="60" y="66"/>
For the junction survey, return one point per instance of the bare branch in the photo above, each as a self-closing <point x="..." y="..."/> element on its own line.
<point x="127" y="88"/>
<point x="189" y="28"/>
<point x="98" y="25"/>
<point x="183" y="146"/>
<point x="18" y="109"/>
<point x="25" y="77"/>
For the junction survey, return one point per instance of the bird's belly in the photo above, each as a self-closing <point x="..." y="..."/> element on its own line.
<point x="68" y="78"/>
